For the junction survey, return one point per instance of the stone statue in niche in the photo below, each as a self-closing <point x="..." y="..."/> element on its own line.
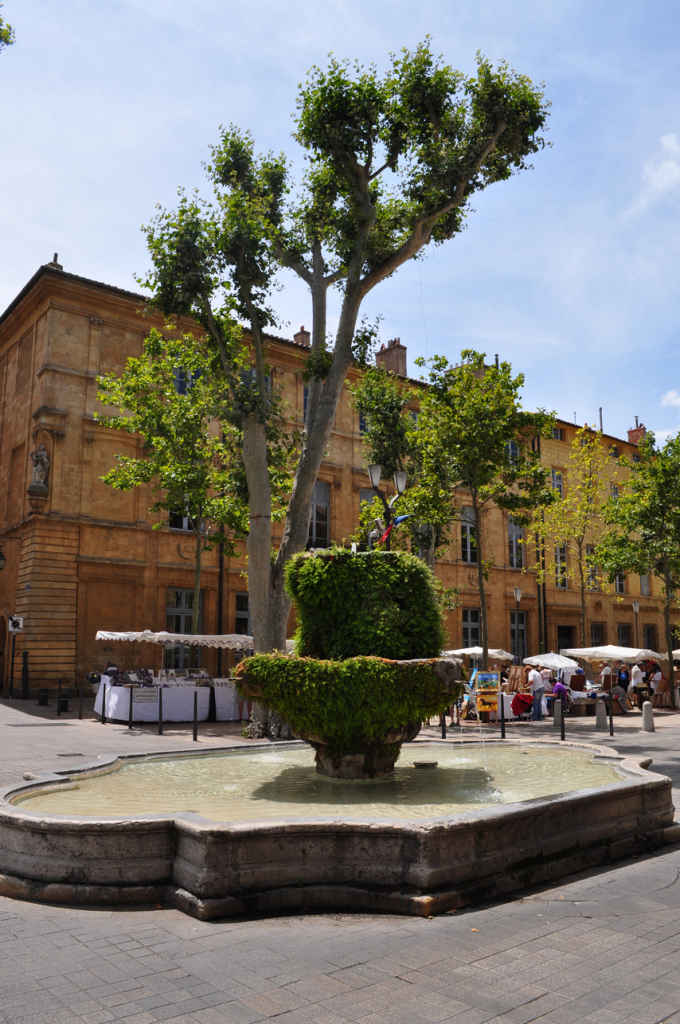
<point x="41" y="465"/>
<point x="37" y="489"/>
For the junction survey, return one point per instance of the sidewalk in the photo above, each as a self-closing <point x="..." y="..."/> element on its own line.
<point x="602" y="948"/>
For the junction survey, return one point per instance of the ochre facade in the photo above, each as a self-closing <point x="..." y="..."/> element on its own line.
<point x="88" y="557"/>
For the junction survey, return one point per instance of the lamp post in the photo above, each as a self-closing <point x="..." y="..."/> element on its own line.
<point x="636" y="609"/>
<point x="374" y="475"/>
<point x="518" y="598"/>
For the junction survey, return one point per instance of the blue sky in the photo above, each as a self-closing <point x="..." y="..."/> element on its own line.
<point x="570" y="271"/>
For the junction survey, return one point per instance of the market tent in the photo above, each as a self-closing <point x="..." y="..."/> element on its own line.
<point x="232" y="641"/>
<point x="551" y="661"/>
<point x="612" y="653"/>
<point x="497" y="654"/>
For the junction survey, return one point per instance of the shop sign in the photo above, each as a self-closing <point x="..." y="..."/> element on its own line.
<point x="145" y="695"/>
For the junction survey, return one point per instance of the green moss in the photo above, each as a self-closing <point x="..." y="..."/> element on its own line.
<point x="379" y="603"/>
<point x="349" y="704"/>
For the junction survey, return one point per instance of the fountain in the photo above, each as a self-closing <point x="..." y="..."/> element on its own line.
<point x="347" y="820"/>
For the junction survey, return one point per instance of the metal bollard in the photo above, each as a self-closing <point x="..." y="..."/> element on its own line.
<point x="611" y="713"/>
<point x="562" y="722"/>
<point x="59" y="699"/>
<point x="24" y="675"/>
<point x="80" y="706"/>
<point x="131" y="692"/>
<point x="160" y="710"/>
<point x="502" y="704"/>
<point x="444" y="724"/>
<point x="104" y="689"/>
<point x="195" y="716"/>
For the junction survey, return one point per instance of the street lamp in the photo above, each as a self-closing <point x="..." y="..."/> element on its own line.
<point x="636" y="609"/>
<point x="374" y="475"/>
<point x="518" y="598"/>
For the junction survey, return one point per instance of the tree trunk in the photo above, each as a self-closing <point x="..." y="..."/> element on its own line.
<point x="668" y="598"/>
<point x="196" y="607"/>
<point x="479" y="544"/>
<point x="582" y="594"/>
<point x="259" y="532"/>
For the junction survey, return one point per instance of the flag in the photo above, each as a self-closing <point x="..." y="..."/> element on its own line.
<point x="395" y="522"/>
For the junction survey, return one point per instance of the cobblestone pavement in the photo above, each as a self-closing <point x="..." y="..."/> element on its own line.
<point x="601" y="948"/>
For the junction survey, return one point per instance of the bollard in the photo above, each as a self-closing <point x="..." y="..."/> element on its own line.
<point x="80" y="706"/>
<point x="104" y="689"/>
<point x="59" y="700"/>
<point x="600" y="717"/>
<point x="130" y="691"/>
<point x="443" y="723"/>
<point x="558" y="713"/>
<point x="195" y="716"/>
<point x="611" y="713"/>
<point x="160" y="710"/>
<point x="563" y="716"/>
<point x="648" y="717"/>
<point x="502" y="704"/>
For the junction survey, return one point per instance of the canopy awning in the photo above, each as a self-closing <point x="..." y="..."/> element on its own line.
<point x="551" y="660"/>
<point x="497" y="653"/>
<point x="611" y="653"/>
<point x="232" y="641"/>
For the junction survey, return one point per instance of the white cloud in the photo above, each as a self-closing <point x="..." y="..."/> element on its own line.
<point x="672" y="398"/>
<point x="660" y="174"/>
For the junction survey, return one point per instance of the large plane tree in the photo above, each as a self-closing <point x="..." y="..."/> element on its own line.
<point x="393" y="161"/>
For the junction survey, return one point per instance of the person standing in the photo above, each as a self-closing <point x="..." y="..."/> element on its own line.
<point x="537" y="687"/>
<point x="637" y="679"/>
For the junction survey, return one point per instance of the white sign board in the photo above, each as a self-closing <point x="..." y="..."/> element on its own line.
<point x="15" y="624"/>
<point x="145" y="695"/>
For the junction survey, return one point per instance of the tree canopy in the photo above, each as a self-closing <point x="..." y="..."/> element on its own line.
<point x="6" y="33"/>
<point x="393" y="162"/>
<point x="645" y="538"/>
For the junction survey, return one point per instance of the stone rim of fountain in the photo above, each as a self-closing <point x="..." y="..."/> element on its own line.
<point x="425" y="866"/>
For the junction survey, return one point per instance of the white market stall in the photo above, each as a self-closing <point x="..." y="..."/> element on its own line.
<point x="495" y="653"/>
<point x="610" y="653"/>
<point x="142" y="698"/>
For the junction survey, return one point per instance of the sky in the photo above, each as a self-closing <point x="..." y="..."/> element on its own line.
<point x="569" y="270"/>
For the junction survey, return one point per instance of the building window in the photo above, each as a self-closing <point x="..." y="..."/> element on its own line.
<point x="645" y="589"/>
<point x="363" y="424"/>
<point x="414" y="417"/>
<point x="468" y="543"/>
<point x="593" y="582"/>
<point x="178" y="615"/>
<point x="557" y="433"/>
<point x="597" y="634"/>
<point x="319" y="516"/>
<point x="518" y="634"/>
<point x="512" y="448"/>
<point x="561" y="566"/>
<point x="620" y="583"/>
<point x="242" y="622"/>
<point x="184" y="380"/>
<point x="565" y="637"/>
<point x="557" y="481"/>
<point x="614" y="488"/>
<point x="515" y="551"/>
<point x="471" y="627"/>
<point x="623" y="631"/>
<point x="613" y="451"/>
<point x="649" y="637"/>
<point x="637" y="457"/>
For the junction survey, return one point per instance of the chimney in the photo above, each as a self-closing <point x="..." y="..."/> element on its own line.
<point x="393" y="357"/>
<point x="55" y="264"/>
<point x="637" y="433"/>
<point x="302" y="337"/>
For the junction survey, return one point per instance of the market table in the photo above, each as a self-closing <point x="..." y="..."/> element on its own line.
<point x="178" y="702"/>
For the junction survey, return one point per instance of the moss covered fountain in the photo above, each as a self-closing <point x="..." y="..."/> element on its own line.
<point x="351" y="825"/>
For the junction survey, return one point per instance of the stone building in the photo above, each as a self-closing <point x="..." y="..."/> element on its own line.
<point x="81" y="556"/>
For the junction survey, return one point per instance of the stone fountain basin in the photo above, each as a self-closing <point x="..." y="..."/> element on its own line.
<point x="216" y="869"/>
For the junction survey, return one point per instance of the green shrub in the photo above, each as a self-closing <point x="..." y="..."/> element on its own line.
<point x="346" y="704"/>
<point x="380" y="603"/>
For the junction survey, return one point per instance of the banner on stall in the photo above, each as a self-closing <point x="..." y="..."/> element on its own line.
<point x="145" y="695"/>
